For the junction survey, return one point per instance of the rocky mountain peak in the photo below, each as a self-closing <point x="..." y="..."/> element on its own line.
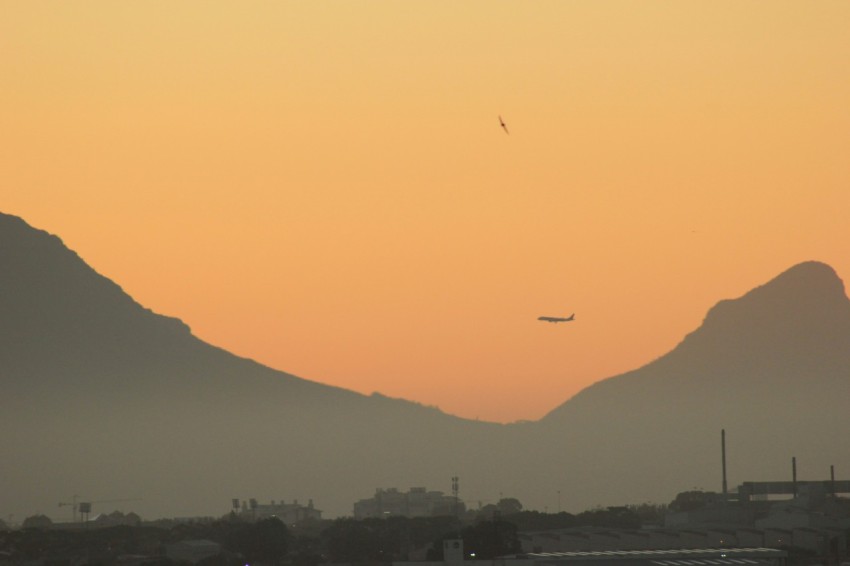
<point x="800" y="307"/>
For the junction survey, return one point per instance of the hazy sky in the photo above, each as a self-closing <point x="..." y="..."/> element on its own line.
<point x="324" y="186"/>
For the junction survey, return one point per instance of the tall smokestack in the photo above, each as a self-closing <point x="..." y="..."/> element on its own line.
<point x="723" y="458"/>
<point x="832" y="479"/>
<point x="794" y="474"/>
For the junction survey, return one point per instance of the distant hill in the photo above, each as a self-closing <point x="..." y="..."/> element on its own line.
<point x="102" y="398"/>
<point x="111" y="401"/>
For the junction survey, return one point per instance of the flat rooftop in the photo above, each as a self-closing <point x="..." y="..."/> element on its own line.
<point x="677" y="557"/>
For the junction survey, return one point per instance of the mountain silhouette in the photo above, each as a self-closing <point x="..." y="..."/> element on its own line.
<point x="105" y="399"/>
<point x="771" y="367"/>
<point x="111" y="401"/>
<point x="787" y="336"/>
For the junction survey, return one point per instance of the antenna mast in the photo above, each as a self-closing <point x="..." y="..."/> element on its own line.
<point x="455" y="491"/>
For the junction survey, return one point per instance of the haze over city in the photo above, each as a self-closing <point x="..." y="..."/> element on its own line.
<point x="327" y="188"/>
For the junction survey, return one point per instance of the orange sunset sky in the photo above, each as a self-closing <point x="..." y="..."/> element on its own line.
<point x="324" y="186"/>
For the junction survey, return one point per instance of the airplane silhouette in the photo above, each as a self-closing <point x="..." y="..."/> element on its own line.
<point x="504" y="127"/>
<point x="557" y="319"/>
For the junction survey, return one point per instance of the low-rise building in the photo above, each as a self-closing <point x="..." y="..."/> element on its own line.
<point x="820" y="542"/>
<point x="289" y="513"/>
<point x="418" y="502"/>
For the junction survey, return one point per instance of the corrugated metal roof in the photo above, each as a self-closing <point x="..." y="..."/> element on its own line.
<point x="706" y="562"/>
<point x="676" y="557"/>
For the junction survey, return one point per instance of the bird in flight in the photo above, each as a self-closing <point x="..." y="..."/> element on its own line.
<point x="504" y="126"/>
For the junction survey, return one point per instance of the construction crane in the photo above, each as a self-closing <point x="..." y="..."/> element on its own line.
<point x="84" y="507"/>
<point x="73" y="505"/>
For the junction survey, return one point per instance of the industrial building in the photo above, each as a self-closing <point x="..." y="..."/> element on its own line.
<point x="678" y="557"/>
<point x="583" y="540"/>
<point x="708" y="556"/>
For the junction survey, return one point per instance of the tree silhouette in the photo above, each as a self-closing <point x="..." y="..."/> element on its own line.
<point x="509" y="506"/>
<point x="264" y="541"/>
<point x="37" y="522"/>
